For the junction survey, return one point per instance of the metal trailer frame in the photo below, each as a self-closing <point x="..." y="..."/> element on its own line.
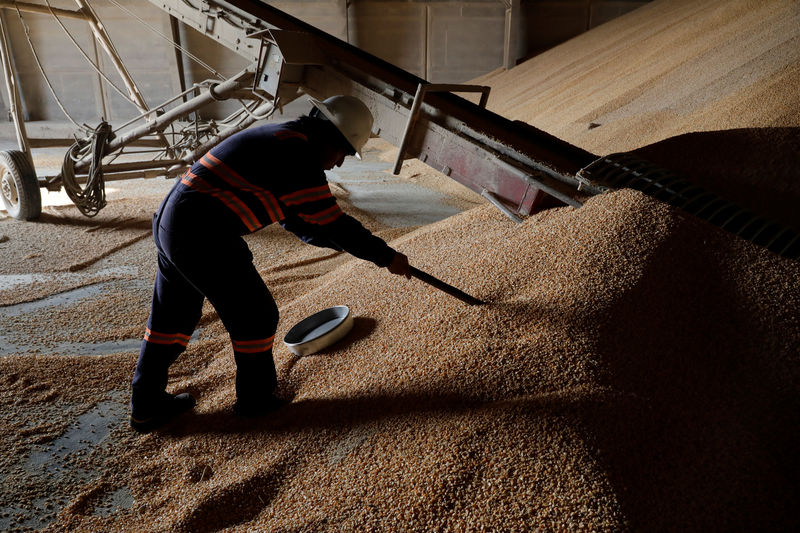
<point x="19" y="183"/>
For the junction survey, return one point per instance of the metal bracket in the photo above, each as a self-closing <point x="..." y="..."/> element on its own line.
<point x="283" y="54"/>
<point x="419" y="97"/>
<point x="269" y="67"/>
<point x="501" y="206"/>
<point x="584" y="177"/>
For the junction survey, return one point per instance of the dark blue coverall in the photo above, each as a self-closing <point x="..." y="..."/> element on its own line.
<point x="259" y="176"/>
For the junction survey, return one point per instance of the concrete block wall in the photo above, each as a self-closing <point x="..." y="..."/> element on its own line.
<point x="444" y="41"/>
<point x="452" y="41"/>
<point x="74" y="80"/>
<point x="548" y="23"/>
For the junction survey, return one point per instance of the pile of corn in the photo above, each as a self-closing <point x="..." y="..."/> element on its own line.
<point x="669" y="68"/>
<point x="632" y="367"/>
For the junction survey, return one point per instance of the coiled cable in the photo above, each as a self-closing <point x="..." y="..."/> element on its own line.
<point x="91" y="198"/>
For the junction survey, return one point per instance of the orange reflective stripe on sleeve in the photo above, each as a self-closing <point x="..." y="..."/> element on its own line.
<point x="253" y="346"/>
<point x="231" y="201"/>
<point x="326" y="216"/>
<point x="230" y="176"/>
<point x="307" y="195"/>
<point x="223" y="171"/>
<point x="271" y="205"/>
<point x="165" y="338"/>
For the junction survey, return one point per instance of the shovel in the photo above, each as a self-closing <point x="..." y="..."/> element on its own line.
<point x="442" y="286"/>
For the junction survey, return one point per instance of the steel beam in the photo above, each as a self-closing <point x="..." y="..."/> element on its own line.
<point x="14" y="105"/>
<point x="44" y="10"/>
<point x="101" y="36"/>
<point x="452" y="134"/>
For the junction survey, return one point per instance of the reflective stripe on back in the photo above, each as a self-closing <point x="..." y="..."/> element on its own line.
<point x="231" y="201"/>
<point x="230" y="176"/>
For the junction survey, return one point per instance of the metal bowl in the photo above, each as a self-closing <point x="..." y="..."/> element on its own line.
<point x="319" y="331"/>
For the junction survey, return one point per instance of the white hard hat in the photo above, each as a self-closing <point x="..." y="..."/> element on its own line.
<point x="350" y="115"/>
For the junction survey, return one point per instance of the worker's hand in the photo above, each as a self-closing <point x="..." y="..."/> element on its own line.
<point x="399" y="265"/>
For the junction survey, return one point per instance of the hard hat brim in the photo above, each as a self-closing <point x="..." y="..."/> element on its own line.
<point x="325" y="111"/>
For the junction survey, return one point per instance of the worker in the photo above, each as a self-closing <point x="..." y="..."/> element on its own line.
<point x="271" y="173"/>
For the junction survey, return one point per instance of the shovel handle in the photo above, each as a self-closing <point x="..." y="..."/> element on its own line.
<point x="442" y="286"/>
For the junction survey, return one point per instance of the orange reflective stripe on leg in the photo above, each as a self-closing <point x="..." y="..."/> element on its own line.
<point x="253" y="346"/>
<point x="166" y="338"/>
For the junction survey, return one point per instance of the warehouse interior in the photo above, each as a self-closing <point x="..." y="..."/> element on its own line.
<point x="634" y="365"/>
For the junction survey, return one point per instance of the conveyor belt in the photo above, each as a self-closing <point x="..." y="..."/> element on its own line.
<point x="517" y="166"/>
<point x="627" y="171"/>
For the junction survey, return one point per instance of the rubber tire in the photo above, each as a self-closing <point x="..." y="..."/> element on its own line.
<point x="18" y="178"/>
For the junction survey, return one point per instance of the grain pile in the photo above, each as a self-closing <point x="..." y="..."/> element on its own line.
<point x="665" y="69"/>
<point x="635" y="369"/>
<point x="708" y="89"/>
<point x="79" y="241"/>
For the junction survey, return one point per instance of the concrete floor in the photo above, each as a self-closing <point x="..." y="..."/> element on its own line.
<point x="391" y="200"/>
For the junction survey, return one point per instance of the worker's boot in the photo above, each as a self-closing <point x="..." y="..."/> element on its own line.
<point x="256" y="381"/>
<point x="150" y="411"/>
<point x="151" y="405"/>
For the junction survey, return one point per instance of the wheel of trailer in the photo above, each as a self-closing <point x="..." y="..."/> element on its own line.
<point x="19" y="186"/>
